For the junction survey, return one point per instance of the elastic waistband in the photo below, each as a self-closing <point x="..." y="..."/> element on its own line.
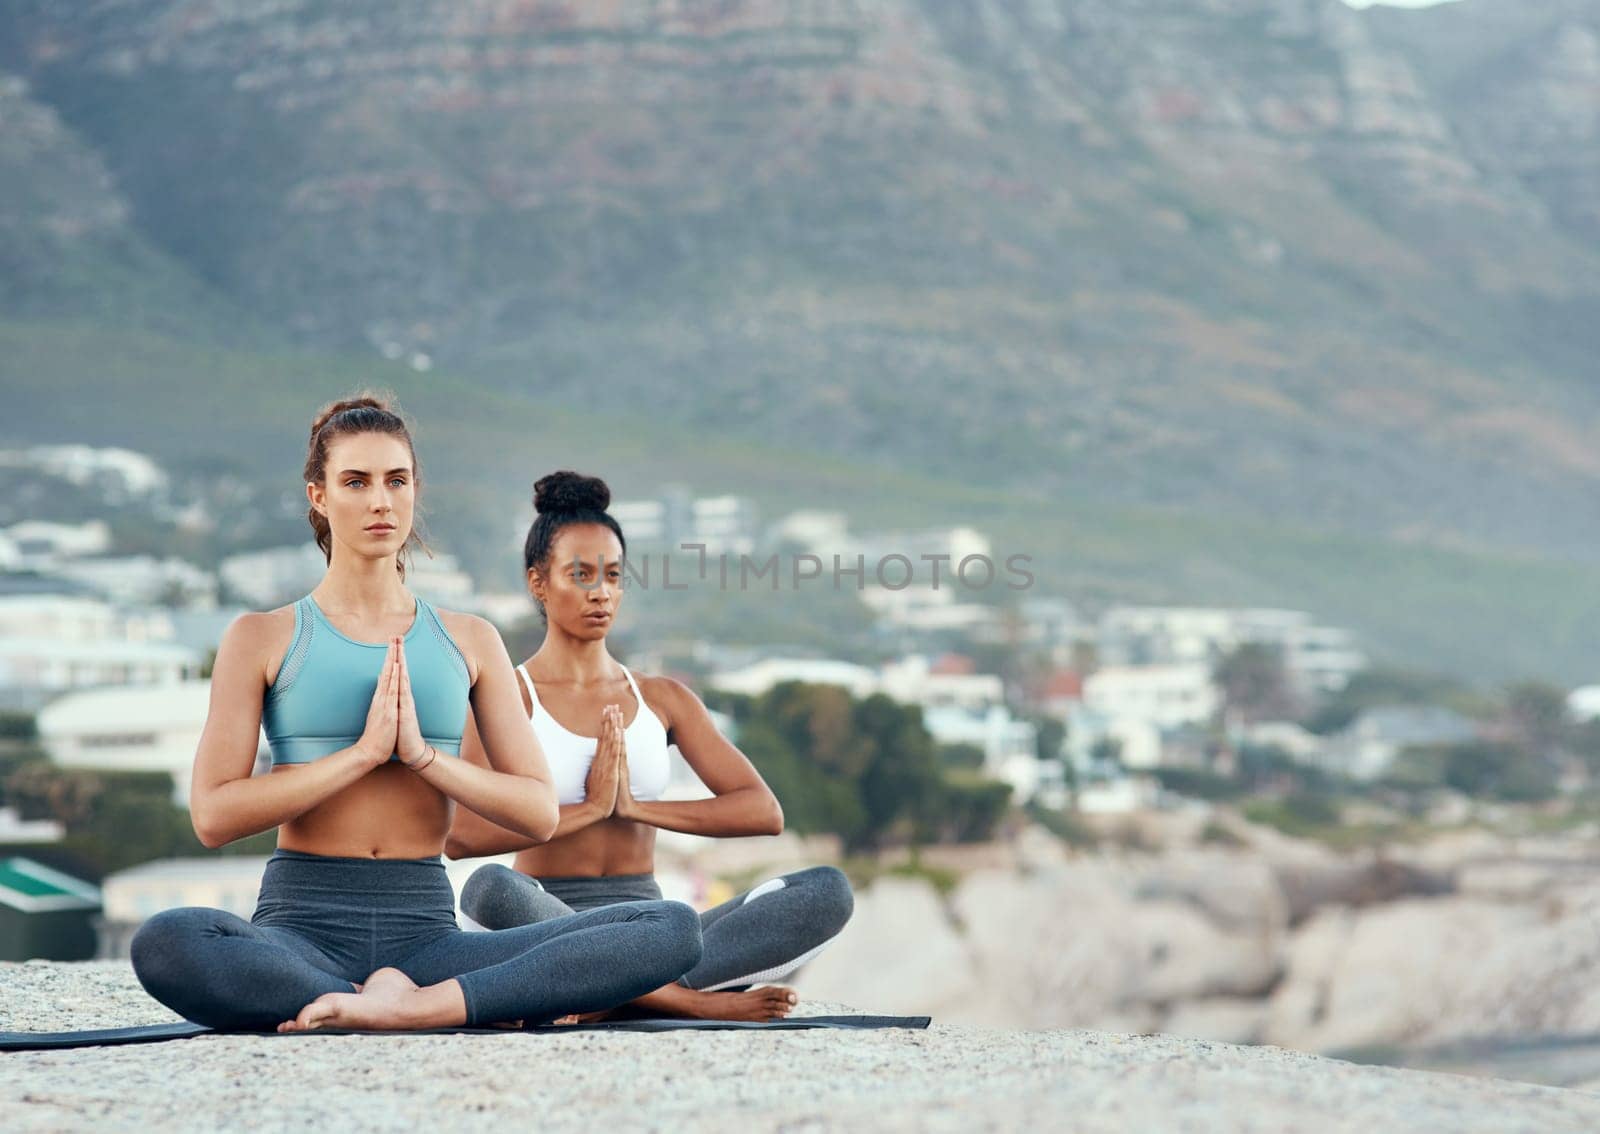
<point x="611" y="887"/>
<point x="372" y="882"/>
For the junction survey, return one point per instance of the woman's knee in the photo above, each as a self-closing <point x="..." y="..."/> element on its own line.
<point x="162" y="950"/>
<point x="488" y="892"/>
<point x="830" y="890"/>
<point x="681" y="929"/>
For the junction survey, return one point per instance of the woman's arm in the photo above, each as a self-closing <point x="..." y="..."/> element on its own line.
<point x="512" y="787"/>
<point x="225" y="802"/>
<point x="472" y="836"/>
<point x="742" y="804"/>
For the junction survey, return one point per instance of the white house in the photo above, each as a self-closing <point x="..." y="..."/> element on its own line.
<point x="1317" y="658"/>
<point x="65" y="617"/>
<point x="758" y="677"/>
<point x="813" y="529"/>
<point x="124" y="472"/>
<point x="137" y="579"/>
<point x="274" y="576"/>
<point x="1010" y="746"/>
<point x="722" y="523"/>
<point x="15" y="829"/>
<point x="39" y="545"/>
<point x="913" y="680"/>
<point x="144" y="728"/>
<point x="1286" y="736"/>
<point x="1164" y="696"/>
<point x="1368" y="746"/>
<point x="1165" y="635"/>
<point x="43" y="666"/>
<point x="1137" y="741"/>
<point x="1583" y="703"/>
<point x="923" y="547"/>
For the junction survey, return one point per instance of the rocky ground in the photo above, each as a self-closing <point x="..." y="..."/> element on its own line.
<point x="945" y="1078"/>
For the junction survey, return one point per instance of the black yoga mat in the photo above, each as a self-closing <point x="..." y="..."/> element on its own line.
<point x="153" y="1033"/>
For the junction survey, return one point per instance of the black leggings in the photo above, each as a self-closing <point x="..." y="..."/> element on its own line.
<point x="322" y="924"/>
<point x="761" y="935"/>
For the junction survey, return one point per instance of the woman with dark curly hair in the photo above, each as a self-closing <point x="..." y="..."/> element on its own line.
<point x="605" y="732"/>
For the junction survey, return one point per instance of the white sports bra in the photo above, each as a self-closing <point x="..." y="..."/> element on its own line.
<point x="570" y="755"/>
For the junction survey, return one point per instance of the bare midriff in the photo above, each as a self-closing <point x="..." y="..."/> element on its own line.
<point x="388" y="813"/>
<point x="611" y="846"/>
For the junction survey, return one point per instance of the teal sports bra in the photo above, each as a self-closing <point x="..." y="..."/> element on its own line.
<point x="319" y="701"/>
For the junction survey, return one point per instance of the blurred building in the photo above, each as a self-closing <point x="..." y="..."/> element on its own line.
<point x="278" y="575"/>
<point x="14" y="829"/>
<point x="41" y="545"/>
<point x="1583" y="703"/>
<point x="45" y="914"/>
<point x="53" y="643"/>
<point x="916" y="680"/>
<point x="928" y="549"/>
<point x="1010" y="746"/>
<point x="274" y="576"/>
<point x="144" y="579"/>
<point x="1317" y="659"/>
<point x="136" y="728"/>
<point x="759" y="677"/>
<point x="1163" y="696"/>
<point x="116" y="474"/>
<point x="1369" y="745"/>
<point x="677" y="517"/>
<point x="1101" y="745"/>
<point x="815" y="530"/>
<point x="131" y="897"/>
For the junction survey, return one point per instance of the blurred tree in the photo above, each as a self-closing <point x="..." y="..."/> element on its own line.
<point x="112" y="819"/>
<point x="1050" y="738"/>
<point x="1255" y="685"/>
<point x="966" y="757"/>
<point x="1536" y="717"/>
<point x="866" y="770"/>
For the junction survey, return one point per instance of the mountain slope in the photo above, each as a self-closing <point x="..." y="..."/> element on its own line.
<point x="1253" y="265"/>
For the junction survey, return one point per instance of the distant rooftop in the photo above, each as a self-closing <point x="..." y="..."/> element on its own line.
<point x="193" y="869"/>
<point x="33" y="887"/>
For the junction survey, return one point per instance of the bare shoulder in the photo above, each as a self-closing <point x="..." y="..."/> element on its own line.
<point x="466" y="628"/>
<point x="475" y="636"/>
<point x="679" y="702"/>
<point x="257" y="641"/>
<point x="260" y="630"/>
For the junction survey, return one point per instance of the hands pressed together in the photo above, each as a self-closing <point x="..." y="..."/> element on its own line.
<point x="607" y="785"/>
<point x="392" y="728"/>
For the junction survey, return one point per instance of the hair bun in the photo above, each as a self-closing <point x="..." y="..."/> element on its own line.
<point x="567" y="491"/>
<point x="365" y="400"/>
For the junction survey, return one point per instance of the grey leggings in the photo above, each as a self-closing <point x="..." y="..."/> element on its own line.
<point x="323" y="923"/>
<point x="761" y="935"/>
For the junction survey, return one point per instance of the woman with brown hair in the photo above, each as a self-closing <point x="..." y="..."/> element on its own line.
<point x="365" y="691"/>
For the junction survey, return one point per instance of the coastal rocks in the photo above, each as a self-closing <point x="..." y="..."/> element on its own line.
<point x="1056" y="948"/>
<point x="1311" y="951"/>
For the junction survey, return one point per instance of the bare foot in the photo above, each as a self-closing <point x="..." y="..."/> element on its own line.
<point x="388" y="1001"/>
<point x="771" y="1002"/>
<point x="584" y="1017"/>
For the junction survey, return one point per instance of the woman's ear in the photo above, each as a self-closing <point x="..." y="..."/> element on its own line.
<point x="317" y="497"/>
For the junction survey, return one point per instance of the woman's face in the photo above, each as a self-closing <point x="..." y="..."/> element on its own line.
<point x="582" y="585"/>
<point x="368" y="494"/>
